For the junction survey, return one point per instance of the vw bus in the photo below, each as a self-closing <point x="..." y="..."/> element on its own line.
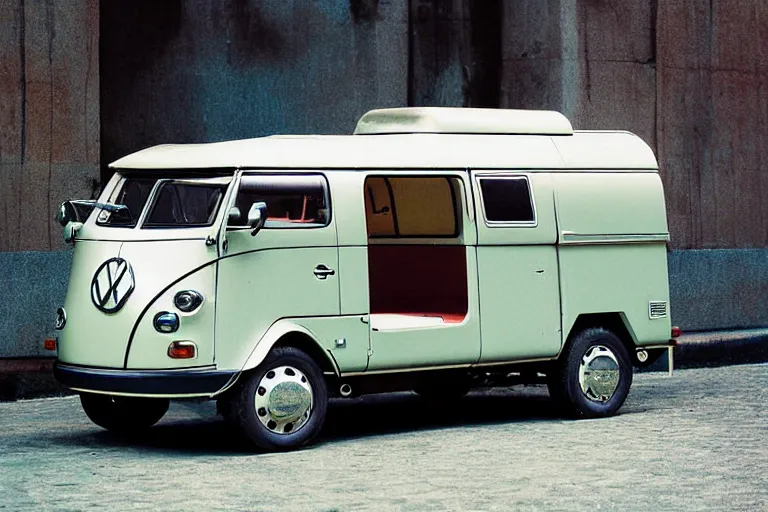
<point x="434" y="250"/>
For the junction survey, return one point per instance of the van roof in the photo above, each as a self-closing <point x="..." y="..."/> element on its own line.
<point x="411" y="138"/>
<point x="463" y="120"/>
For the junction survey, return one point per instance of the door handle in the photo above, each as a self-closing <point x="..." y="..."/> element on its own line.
<point x="322" y="272"/>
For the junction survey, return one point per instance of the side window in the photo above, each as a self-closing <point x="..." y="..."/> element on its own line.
<point x="293" y="201"/>
<point x="507" y="200"/>
<point x="402" y="206"/>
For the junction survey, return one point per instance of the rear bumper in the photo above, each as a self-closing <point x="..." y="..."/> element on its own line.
<point x="180" y="383"/>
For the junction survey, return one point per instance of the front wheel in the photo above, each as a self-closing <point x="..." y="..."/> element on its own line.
<point x="593" y="377"/>
<point x="124" y="414"/>
<point x="282" y="404"/>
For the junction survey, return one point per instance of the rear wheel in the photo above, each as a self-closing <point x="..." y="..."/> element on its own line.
<point x="282" y="404"/>
<point x="593" y="377"/>
<point x="123" y="414"/>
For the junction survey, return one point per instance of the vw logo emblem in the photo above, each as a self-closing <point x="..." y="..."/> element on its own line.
<point x="112" y="284"/>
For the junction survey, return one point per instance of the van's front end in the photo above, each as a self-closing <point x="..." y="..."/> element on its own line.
<point x="137" y="326"/>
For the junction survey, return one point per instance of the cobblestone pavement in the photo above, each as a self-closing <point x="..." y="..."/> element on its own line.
<point x="695" y="441"/>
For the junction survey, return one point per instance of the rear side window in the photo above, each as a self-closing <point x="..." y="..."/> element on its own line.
<point x="507" y="200"/>
<point x="185" y="204"/>
<point x="293" y="201"/>
<point x="415" y="207"/>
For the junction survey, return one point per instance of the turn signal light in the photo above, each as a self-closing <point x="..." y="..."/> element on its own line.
<point x="50" y="344"/>
<point x="182" y="350"/>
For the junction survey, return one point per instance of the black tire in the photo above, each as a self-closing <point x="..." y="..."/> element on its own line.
<point x="563" y="383"/>
<point x="123" y="414"/>
<point x="242" y="407"/>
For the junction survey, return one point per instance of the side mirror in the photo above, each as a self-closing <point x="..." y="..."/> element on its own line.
<point x="70" y="231"/>
<point x="257" y="216"/>
<point x="66" y="214"/>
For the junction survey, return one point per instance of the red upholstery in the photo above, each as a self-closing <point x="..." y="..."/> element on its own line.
<point x="427" y="280"/>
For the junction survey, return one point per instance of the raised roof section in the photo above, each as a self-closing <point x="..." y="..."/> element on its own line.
<point x="463" y="120"/>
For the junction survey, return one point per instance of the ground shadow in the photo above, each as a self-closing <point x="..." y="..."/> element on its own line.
<point x="194" y="428"/>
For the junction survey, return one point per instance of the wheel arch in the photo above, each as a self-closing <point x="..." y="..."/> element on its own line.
<point x="290" y="334"/>
<point x="615" y="322"/>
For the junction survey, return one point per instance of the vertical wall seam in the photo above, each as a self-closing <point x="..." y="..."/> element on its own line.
<point x="51" y="35"/>
<point x="409" y="62"/>
<point x="23" y="78"/>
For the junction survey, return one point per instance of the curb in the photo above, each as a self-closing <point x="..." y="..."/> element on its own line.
<point x="717" y="348"/>
<point x="29" y="378"/>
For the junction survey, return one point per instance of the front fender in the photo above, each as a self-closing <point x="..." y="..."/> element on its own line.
<point x="274" y="334"/>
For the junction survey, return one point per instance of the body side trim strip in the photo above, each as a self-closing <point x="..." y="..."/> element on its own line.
<point x="571" y="238"/>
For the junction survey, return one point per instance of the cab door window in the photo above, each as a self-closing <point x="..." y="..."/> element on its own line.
<point x="293" y="201"/>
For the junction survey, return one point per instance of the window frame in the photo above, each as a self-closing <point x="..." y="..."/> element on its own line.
<point x="288" y="226"/>
<point x="457" y="210"/>
<point x="103" y="217"/>
<point x="155" y="195"/>
<point x="506" y="223"/>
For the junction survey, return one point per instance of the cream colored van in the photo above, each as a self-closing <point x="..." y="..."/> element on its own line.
<point x="435" y="250"/>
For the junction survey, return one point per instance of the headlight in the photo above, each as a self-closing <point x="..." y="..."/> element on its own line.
<point x="188" y="300"/>
<point x="61" y="319"/>
<point x="166" y="322"/>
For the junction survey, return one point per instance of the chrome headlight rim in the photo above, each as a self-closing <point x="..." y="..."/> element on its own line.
<point x="61" y="319"/>
<point x="188" y="301"/>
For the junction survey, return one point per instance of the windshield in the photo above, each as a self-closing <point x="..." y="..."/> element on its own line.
<point x="185" y="204"/>
<point x="167" y="203"/>
<point x="133" y="194"/>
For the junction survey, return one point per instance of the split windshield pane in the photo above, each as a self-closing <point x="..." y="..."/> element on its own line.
<point x="185" y="204"/>
<point x="133" y="194"/>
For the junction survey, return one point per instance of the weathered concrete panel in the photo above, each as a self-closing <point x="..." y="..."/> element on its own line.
<point x="619" y="95"/>
<point x="684" y="150"/>
<point x="48" y="114"/>
<point x="713" y="120"/>
<point x="717" y="289"/>
<point x="11" y="80"/>
<point x="439" y="31"/>
<point x="36" y="282"/>
<point x="619" y="30"/>
<point x="203" y="71"/>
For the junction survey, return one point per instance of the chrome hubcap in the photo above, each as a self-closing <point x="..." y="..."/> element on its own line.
<point x="284" y="400"/>
<point x="599" y="374"/>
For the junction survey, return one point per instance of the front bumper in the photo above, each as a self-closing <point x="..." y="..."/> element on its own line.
<point x="166" y="383"/>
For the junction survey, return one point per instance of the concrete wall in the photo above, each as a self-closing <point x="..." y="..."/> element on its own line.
<point x="690" y="77"/>
<point x="49" y="116"/>
<point x="200" y="71"/>
<point x="49" y="152"/>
